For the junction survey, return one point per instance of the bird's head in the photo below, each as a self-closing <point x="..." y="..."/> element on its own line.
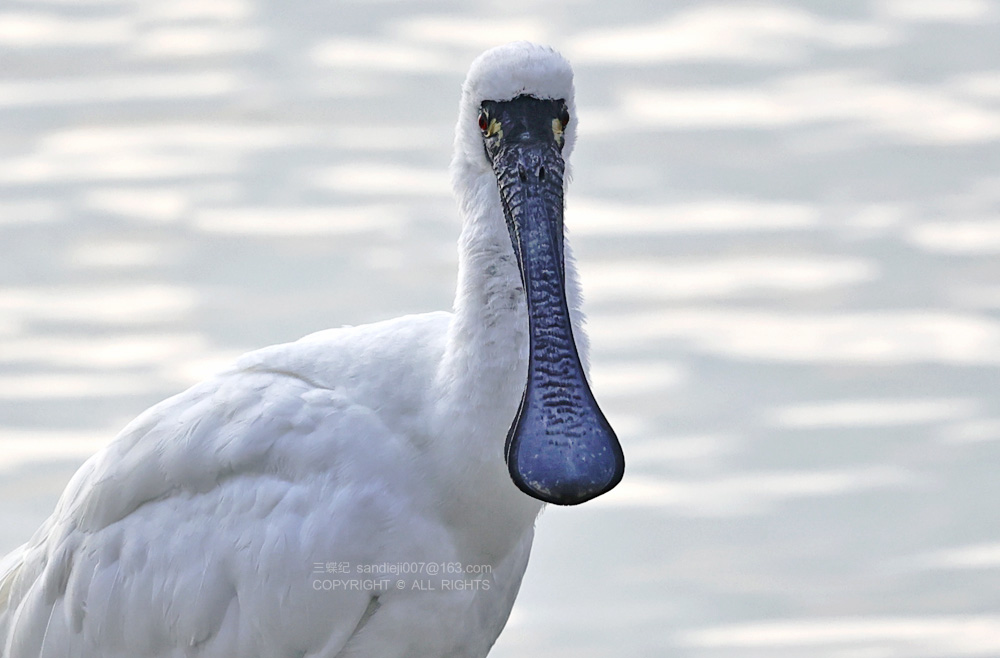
<point x="516" y="128"/>
<point x="516" y="70"/>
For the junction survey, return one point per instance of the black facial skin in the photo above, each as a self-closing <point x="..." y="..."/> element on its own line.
<point x="560" y="448"/>
<point x="523" y="119"/>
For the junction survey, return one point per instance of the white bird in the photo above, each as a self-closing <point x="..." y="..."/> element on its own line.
<point x="346" y="494"/>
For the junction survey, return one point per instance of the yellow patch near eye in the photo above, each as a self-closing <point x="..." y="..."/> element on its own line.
<point x="494" y="128"/>
<point x="557" y="131"/>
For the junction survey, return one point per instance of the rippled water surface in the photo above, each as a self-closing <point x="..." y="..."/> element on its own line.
<point x="787" y="217"/>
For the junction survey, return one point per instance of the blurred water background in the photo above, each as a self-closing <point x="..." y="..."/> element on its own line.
<point x="787" y="217"/>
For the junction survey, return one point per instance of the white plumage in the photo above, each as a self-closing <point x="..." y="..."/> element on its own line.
<point x="199" y="530"/>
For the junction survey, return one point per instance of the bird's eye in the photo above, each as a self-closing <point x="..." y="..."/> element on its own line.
<point x="564" y="116"/>
<point x="484" y="123"/>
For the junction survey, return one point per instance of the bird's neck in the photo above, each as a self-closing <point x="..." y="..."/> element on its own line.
<point x="484" y="369"/>
<point x="485" y="362"/>
<point x="482" y="376"/>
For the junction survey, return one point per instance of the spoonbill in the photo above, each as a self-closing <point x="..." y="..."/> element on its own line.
<point x="365" y="491"/>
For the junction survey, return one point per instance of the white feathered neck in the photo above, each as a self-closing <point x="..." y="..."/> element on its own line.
<point x="486" y="356"/>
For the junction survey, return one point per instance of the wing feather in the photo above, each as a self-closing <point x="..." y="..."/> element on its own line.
<point x="198" y="528"/>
